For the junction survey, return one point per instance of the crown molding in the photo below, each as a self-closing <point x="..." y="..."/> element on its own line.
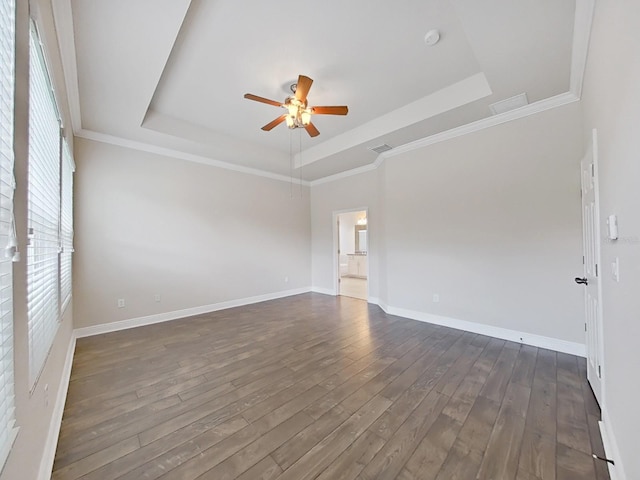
<point x="347" y="173"/>
<point x="580" y="49"/>
<point x="531" y="109"/>
<point x="582" y="30"/>
<point x="583" y="20"/>
<point x="446" y="99"/>
<point x="189" y="157"/>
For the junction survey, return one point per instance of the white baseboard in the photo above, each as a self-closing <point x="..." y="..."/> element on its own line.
<point x="491" y="331"/>
<point x="187" y="312"/>
<point x="49" y="454"/>
<point x="498" y="332"/>
<point x="323" y="291"/>
<point x="616" y="472"/>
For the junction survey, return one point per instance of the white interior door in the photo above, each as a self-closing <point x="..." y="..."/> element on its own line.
<point x="592" y="269"/>
<point x="339" y="292"/>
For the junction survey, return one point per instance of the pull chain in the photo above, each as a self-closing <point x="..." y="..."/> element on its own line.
<point x="291" y="161"/>
<point x="300" y="160"/>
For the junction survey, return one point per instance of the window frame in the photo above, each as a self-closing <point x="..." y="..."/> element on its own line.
<point x="8" y="244"/>
<point x="48" y="164"/>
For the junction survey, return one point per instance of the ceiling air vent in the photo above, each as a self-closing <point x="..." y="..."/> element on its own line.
<point x="509" y="104"/>
<point x="381" y="148"/>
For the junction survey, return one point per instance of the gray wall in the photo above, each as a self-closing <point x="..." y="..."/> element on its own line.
<point x="34" y="409"/>
<point x="194" y="234"/>
<point x="490" y="222"/>
<point x="611" y="100"/>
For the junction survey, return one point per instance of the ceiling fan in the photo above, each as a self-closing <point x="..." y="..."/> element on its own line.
<point x="298" y="112"/>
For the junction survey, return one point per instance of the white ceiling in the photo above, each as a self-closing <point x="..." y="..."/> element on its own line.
<point x="172" y="73"/>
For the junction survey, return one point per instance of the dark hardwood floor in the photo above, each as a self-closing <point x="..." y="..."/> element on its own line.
<point x="320" y="387"/>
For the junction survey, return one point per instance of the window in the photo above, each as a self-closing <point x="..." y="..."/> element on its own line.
<point x="43" y="220"/>
<point x="7" y="232"/>
<point x="66" y="225"/>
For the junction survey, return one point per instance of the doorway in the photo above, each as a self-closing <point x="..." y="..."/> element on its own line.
<point x="591" y="260"/>
<point x="353" y="249"/>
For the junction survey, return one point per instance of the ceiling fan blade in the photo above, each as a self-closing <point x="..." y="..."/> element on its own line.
<point x="342" y="110"/>
<point x="312" y="130"/>
<point x="250" y="96"/>
<point x="274" y="123"/>
<point x="302" y="87"/>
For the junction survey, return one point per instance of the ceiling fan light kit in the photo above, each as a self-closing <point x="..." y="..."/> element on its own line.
<point x="298" y="111"/>
<point x="299" y="114"/>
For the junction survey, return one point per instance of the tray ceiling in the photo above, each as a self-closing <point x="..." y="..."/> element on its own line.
<point x="172" y="74"/>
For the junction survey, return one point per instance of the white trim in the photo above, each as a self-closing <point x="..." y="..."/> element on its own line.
<point x="582" y="30"/>
<point x="555" y="344"/>
<point x="598" y="384"/>
<point x="347" y="173"/>
<point x="489" y="330"/>
<point x="189" y="157"/>
<point x="49" y="454"/>
<point x="63" y="20"/>
<point x="444" y="100"/>
<point x="616" y="472"/>
<point x="580" y="48"/>
<point x="531" y="109"/>
<point x="323" y="291"/>
<point x="178" y="314"/>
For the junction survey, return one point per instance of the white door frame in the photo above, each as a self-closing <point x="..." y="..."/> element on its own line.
<point x="336" y="247"/>
<point x="595" y="373"/>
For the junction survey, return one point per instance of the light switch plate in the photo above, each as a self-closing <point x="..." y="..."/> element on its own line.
<point x="615" y="269"/>
<point x="612" y="226"/>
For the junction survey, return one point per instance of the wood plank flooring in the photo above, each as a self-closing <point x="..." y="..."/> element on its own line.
<point x="320" y="387"/>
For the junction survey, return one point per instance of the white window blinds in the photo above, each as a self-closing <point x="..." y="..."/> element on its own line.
<point x="66" y="225"/>
<point x="7" y="232"/>
<point x="43" y="212"/>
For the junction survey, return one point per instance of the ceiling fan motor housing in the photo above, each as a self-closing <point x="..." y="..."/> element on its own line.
<point x="298" y="111"/>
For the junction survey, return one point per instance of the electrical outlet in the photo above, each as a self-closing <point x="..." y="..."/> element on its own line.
<point x="121" y="303"/>
<point x="436" y="298"/>
<point x="286" y="279"/>
<point x="157" y="297"/>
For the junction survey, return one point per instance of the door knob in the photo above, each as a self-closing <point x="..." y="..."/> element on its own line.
<point x="582" y="280"/>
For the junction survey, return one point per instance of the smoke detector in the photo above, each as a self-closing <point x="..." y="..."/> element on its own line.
<point x="432" y="37"/>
